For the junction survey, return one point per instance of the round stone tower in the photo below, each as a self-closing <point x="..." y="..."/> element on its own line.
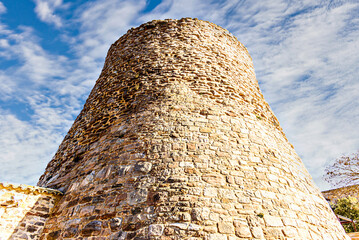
<point x="177" y="142"/>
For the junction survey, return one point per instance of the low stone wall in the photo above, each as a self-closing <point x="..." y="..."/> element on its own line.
<point x="334" y="194"/>
<point x="24" y="210"/>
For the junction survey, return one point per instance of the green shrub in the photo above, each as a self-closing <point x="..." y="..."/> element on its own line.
<point x="348" y="207"/>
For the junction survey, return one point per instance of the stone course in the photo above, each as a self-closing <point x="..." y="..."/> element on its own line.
<point x="177" y="142"/>
<point x="24" y="210"/>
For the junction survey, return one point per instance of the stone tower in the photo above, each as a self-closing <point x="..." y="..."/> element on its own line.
<point x="177" y="142"/>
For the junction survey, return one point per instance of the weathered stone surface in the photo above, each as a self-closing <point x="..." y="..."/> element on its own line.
<point x="155" y="229"/>
<point x="144" y="167"/>
<point x="200" y="214"/>
<point x="242" y="229"/>
<point x="137" y="196"/>
<point x="225" y="227"/>
<point x="24" y="210"/>
<point x="194" y="227"/>
<point x="177" y="133"/>
<point x="118" y="236"/>
<point x="217" y="236"/>
<point x="70" y="232"/>
<point x="273" y="221"/>
<point x="115" y="224"/>
<point x="92" y="228"/>
<point x="257" y="232"/>
<point x="53" y="235"/>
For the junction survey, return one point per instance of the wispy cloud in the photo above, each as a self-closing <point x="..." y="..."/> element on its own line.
<point x="34" y="113"/>
<point x="102" y="23"/>
<point x="25" y="148"/>
<point x="45" y="10"/>
<point x="2" y="8"/>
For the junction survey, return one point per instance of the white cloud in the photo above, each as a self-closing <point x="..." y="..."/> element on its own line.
<point x="101" y="24"/>
<point x="39" y="114"/>
<point x="45" y="10"/>
<point x="2" y="8"/>
<point x="25" y="149"/>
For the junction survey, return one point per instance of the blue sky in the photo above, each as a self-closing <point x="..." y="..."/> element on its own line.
<point x="305" y="54"/>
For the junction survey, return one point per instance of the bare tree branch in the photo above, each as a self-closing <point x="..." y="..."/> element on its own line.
<point x="344" y="171"/>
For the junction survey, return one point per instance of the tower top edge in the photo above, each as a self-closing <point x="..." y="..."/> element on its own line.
<point x="183" y="21"/>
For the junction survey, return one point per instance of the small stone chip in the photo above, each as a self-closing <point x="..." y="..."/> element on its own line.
<point x="205" y="130"/>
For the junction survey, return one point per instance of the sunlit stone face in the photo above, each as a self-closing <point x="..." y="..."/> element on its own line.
<point x="176" y="141"/>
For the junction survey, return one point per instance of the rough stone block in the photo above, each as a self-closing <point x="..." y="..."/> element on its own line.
<point x="273" y="221"/>
<point x="241" y="229"/>
<point x="92" y="228"/>
<point x="115" y="224"/>
<point x="155" y="230"/>
<point x="217" y="236"/>
<point x="225" y="227"/>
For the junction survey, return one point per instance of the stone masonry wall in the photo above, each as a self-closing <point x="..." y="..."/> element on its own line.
<point x="24" y="210"/>
<point x="334" y="194"/>
<point x="177" y="142"/>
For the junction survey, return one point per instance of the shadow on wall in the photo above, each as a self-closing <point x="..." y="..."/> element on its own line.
<point x="24" y="210"/>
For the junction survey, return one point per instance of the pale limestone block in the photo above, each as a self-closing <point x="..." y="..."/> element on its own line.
<point x="233" y="238"/>
<point x="290" y="232"/>
<point x="214" y="217"/>
<point x="242" y="229"/>
<point x="254" y="221"/>
<point x="182" y="226"/>
<point x="186" y="217"/>
<point x="195" y="191"/>
<point x="225" y="227"/>
<point x="210" y="229"/>
<point x="137" y="196"/>
<point x="268" y="194"/>
<point x="257" y="232"/>
<point x="87" y="179"/>
<point x="144" y="167"/>
<point x="155" y="229"/>
<point x="303" y="233"/>
<point x="255" y="159"/>
<point x="289" y="222"/>
<point x="210" y="192"/>
<point x="194" y="227"/>
<point x="226" y="193"/>
<point x="217" y="236"/>
<point x="272" y="221"/>
<point x="186" y="164"/>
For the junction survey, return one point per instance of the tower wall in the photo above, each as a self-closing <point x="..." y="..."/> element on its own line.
<point x="177" y="142"/>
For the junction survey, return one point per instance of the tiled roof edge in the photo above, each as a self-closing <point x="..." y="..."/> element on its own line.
<point x="28" y="188"/>
<point x="355" y="185"/>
